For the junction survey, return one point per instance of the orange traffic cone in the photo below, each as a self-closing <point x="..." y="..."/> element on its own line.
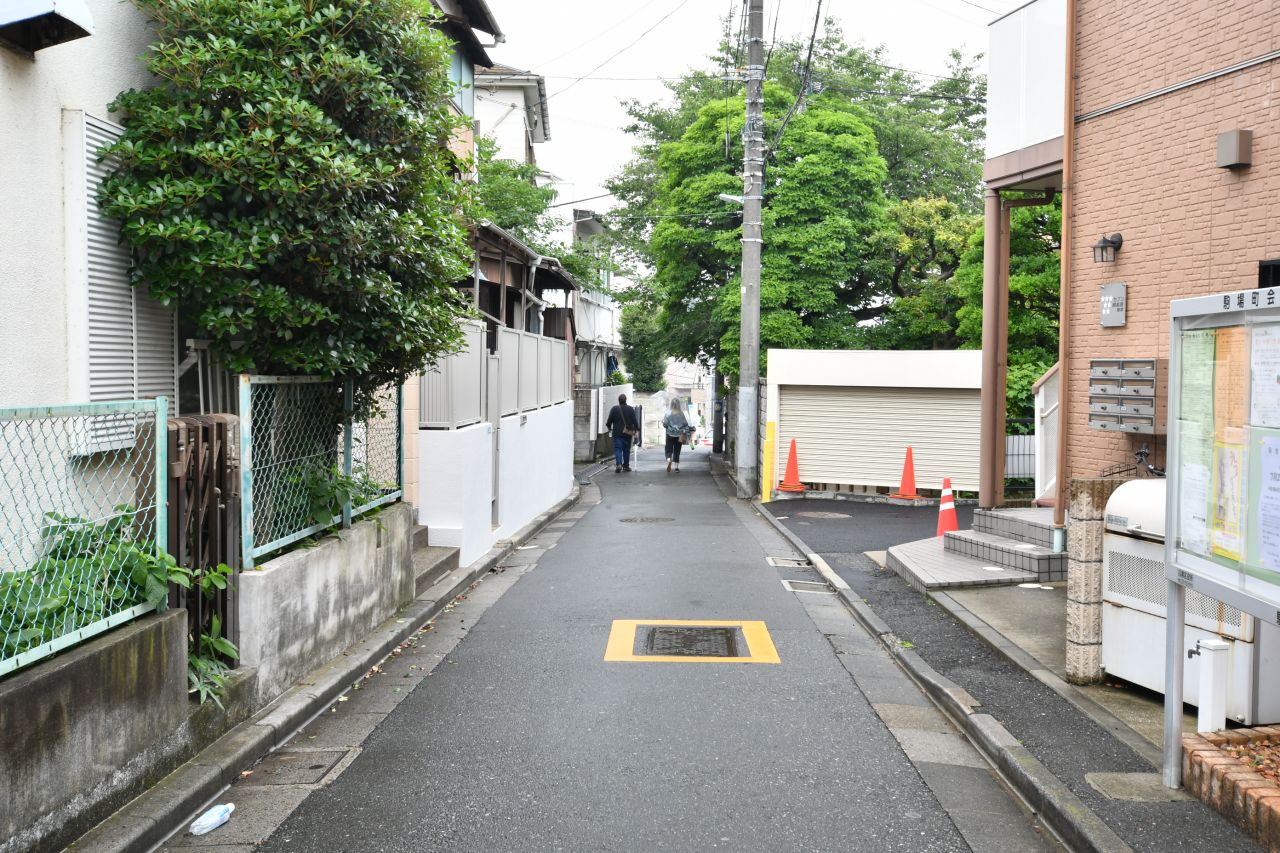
<point x="947" y="510"/>
<point x="907" y="490"/>
<point x="791" y="482"/>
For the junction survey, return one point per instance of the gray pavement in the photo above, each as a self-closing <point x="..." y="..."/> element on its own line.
<point x="504" y="728"/>
<point x="1066" y="740"/>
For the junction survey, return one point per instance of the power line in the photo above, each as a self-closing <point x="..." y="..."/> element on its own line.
<point x="577" y="200"/>
<point x="804" y="78"/>
<point x="618" y="53"/>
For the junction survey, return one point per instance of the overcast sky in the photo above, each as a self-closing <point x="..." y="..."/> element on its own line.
<point x="565" y="39"/>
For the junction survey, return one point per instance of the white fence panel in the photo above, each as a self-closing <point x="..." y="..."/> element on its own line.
<point x="528" y="372"/>
<point x="452" y="392"/>
<point x="509" y="357"/>
<point x="559" y="371"/>
<point x="1019" y="456"/>
<point x="544" y="371"/>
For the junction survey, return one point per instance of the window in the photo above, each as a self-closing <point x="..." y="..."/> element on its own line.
<point x="129" y="340"/>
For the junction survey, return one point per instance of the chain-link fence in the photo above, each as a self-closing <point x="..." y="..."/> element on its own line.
<point x="307" y="464"/>
<point x="79" y="531"/>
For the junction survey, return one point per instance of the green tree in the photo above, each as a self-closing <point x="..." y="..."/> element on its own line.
<point x="285" y="183"/>
<point x="642" y="347"/>
<point x="945" y="311"/>
<point x="825" y="208"/>
<point x="508" y="195"/>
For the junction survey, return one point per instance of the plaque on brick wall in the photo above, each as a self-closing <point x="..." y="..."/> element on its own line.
<point x="1114" y="297"/>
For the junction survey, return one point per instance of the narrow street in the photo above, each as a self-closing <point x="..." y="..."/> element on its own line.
<point x="504" y="727"/>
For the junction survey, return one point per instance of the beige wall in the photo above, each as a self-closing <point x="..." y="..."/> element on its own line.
<point x="1148" y="171"/>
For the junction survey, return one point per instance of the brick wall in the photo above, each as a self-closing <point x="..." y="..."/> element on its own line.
<point x="1148" y="172"/>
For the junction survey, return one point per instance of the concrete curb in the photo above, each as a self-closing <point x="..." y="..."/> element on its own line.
<point x="1119" y="729"/>
<point x="1064" y="812"/>
<point x="152" y="817"/>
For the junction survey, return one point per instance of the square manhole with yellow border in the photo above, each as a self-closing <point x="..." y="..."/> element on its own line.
<point x="690" y="641"/>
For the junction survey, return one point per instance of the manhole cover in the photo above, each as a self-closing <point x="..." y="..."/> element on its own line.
<point x="646" y="519"/>
<point x="689" y="641"/>
<point x="823" y="514"/>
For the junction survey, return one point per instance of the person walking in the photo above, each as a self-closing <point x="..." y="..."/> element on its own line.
<point x="624" y="427"/>
<point x="678" y="429"/>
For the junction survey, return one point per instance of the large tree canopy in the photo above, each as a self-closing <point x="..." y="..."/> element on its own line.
<point x="823" y="215"/>
<point x="842" y="267"/>
<point x="286" y="184"/>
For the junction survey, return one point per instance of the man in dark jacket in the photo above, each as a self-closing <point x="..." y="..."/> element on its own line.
<point x="623" y="426"/>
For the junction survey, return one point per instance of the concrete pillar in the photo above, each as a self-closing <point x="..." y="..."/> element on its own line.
<point x="990" y="489"/>
<point x="1085" y="528"/>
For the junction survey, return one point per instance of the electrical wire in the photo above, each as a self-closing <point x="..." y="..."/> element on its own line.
<point x="623" y="50"/>
<point x="577" y="200"/>
<point x="804" y="79"/>
<point x="773" y="39"/>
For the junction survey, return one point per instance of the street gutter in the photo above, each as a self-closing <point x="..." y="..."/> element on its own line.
<point x="1074" y="822"/>
<point x="151" y="818"/>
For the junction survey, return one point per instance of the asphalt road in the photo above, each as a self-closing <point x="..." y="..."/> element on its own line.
<point x="525" y="738"/>
<point x="1066" y="740"/>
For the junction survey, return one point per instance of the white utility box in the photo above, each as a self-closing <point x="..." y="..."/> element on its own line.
<point x="1134" y="587"/>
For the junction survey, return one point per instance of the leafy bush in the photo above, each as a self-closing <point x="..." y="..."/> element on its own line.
<point x="286" y="183"/>
<point x="88" y="571"/>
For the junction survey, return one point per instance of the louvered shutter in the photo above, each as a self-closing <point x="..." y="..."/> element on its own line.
<point x="859" y="436"/>
<point x="132" y="338"/>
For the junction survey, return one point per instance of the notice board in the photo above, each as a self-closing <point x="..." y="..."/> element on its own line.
<point x="1223" y="513"/>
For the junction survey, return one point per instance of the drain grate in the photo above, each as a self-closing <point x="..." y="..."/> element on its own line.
<point x="808" y="586"/>
<point x="645" y="519"/>
<point x="789" y="562"/>
<point x="689" y="641"/>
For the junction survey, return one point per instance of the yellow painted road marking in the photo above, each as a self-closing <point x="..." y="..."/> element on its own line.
<point x="622" y="641"/>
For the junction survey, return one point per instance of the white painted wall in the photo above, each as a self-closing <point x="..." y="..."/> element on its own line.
<point x="535" y="472"/>
<point x="535" y="465"/>
<point x="500" y="113"/>
<point x="36" y="350"/>
<point x="1027" y="66"/>
<point x="456" y="487"/>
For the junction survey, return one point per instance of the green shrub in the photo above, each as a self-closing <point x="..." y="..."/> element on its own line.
<point x="286" y="183"/>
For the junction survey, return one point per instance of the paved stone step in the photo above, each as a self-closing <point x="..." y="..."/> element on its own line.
<point x="927" y="565"/>
<point x="431" y="563"/>
<point x="1030" y="524"/>
<point x="1011" y="553"/>
<point x="419" y="536"/>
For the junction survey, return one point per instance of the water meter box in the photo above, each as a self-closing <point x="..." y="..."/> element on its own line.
<point x="1127" y="395"/>
<point x="1134" y="592"/>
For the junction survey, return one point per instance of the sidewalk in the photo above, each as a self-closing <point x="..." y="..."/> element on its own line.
<point x="1071" y="744"/>
<point x="507" y="727"/>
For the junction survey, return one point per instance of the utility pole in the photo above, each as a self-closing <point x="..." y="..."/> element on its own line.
<point x="747" y="452"/>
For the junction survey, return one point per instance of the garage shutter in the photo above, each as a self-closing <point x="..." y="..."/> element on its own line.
<point x="132" y="338"/>
<point x="858" y="436"/>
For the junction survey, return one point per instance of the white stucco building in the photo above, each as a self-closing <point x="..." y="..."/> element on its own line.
<point x="73" y="328"/>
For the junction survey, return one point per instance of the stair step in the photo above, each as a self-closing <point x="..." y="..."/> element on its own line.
<point x="927" y="565"/>
<point x="1011" y="553"/>
<point x="431" y="563"/>
<point x="419" y="536"/>
<point x="1028" y="524"/>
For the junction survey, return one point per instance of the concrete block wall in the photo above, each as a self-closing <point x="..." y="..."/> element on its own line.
<point x="303" y="608"/>
<point x="83" y="733"/>
<point x="1085" y="527"/>
<point x="1148" y="172"/>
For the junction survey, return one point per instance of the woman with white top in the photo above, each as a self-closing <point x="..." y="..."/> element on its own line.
<point x="678" y="429"/>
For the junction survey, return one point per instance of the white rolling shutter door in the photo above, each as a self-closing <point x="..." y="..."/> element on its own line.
<point x="132" y="338"/>
<point x="859" y="436"/>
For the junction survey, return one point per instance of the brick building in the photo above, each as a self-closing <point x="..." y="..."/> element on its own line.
<point x="1142" y="142"/>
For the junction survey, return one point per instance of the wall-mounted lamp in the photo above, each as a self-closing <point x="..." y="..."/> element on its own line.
<point x="1104" y="251"/>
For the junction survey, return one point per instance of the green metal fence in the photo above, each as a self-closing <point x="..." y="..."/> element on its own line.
<point x="79" y="488"/>
<point x="307" y="464"/>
